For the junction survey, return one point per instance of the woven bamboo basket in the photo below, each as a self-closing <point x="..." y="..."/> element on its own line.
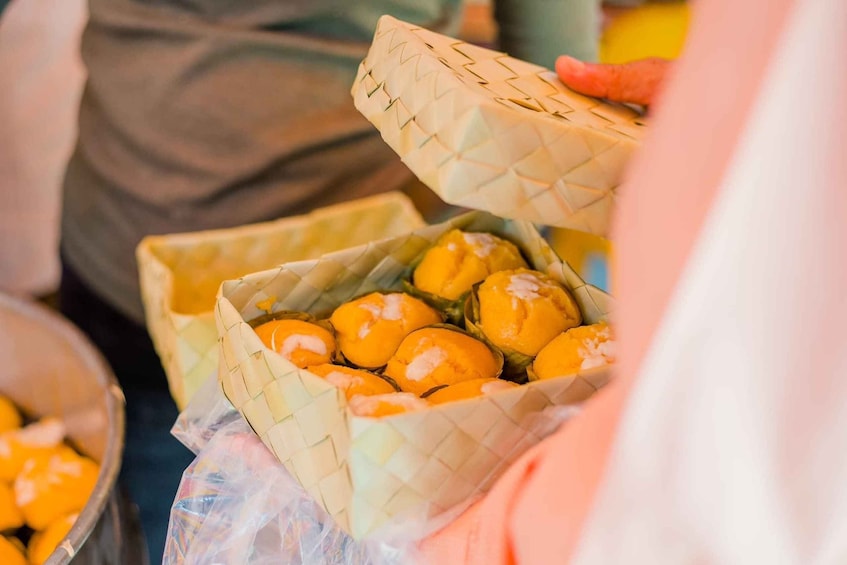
<point x="370" y="473"/>
<point x="180" y="274"/>
<point x="491" y="132"/>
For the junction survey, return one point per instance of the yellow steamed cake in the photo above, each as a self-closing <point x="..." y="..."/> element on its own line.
<point x="50" y="487"/>
<point x="38" y="439"/>
<point x="469" y="389"/>
<point x="10" y="554"/>
<point x="11" y="517"/>
<point x="43" y="543"/>
<point x="522" y="310"/>
<point x="458" y="260"/>
<point x="435" y="356"/>
<point x="370" y="328"/>
<point x="390" y="404"/>
<point x="302" y="343"/>
<point x="575" y="350"/>
<point x="352" y="381"/>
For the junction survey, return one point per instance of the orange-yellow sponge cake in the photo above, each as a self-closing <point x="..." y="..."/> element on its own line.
<point x="51" y="487"/>
<point x="10" y="554"/>
<point x="11" y="517"/>
<point x="389" y="404"/>
<point x="370" y="328"/>
<point x="522" y="310"/>
<point x="458" y="260"/>
<point x="575" y="350"/>
<point x="436" y="356"/>
<point x="352" y="381"/>
<point x="301" y="342"/>
<point x="43" y="543"/>
<point x="469" y="389"/>
<point x="38" y="439"/>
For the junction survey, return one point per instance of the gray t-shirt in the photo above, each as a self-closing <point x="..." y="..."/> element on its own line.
<point x="202" y="114"/>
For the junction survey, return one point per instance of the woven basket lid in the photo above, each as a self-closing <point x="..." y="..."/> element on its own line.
<point x="491" y="132"/>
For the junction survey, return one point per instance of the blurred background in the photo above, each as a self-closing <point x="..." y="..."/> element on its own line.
<point x="43" y="81"/>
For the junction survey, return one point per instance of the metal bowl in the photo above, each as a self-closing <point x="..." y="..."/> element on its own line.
<point x="47" y="367"/>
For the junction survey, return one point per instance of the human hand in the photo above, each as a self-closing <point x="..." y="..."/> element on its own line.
<point x="637" y="82"/>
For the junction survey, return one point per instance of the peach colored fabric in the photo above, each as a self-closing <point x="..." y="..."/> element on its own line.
<point x="536" y="512"/>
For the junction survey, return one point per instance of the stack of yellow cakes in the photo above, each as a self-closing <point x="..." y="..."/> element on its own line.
<point x="44" y="484"/>
<point x="391" y="352"/>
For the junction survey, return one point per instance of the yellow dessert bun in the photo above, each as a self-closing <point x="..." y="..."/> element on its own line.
<point x="468" y="389"/>
<point x="458" y="260"/>
<point x="381" y="405"/>
<point x="11" y="517"/>
<point x="10" y="418"/>
<point x="522" y="310"/>
<point x="42" y="544"/>
<point x="302" y="343"/>
<point x="370" y="328"/>
<point x="50" y="487"/>
<point x="577" y="349"/>
<point x="10" y="554"/>
<point x="435" y="356"/>
<point x="38" y="439"/>
<point x="352" y="381"/>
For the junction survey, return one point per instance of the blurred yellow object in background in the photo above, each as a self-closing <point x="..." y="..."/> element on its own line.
<point x="651" y="30"/>
<point x="51" y="487"/>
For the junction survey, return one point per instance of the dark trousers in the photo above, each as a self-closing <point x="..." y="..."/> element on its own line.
<point x="153" y="460"/>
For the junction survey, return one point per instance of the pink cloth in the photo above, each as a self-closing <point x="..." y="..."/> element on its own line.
<point x="539" y="511"/>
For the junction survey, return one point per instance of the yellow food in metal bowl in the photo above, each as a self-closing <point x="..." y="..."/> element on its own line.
<point x="42" y="544"/>
<point x="10" y="553"/>
<point x="51" y="487"/>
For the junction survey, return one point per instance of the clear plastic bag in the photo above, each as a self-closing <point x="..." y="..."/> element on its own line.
<point x="237" y="505"/>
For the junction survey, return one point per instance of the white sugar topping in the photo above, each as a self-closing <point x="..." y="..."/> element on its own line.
<point x="25" y="491"/>
<point x="425" y="363"/>
<point x="494" y="386"/>
<point x="391" y="309"/>
<point x="59" y="466"/>
<point x="364" y="330"/>
<point x="366" y="405"/>
<point x="596" y="353"/>
<point x="44" y="433"/>
<point x="483" y="244"/>
<point x="299" y="341"/>
<point x="343" y="380"/>
<point x="524" y="286"/>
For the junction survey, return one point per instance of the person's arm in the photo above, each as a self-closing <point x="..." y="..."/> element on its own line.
<point x="540" y="30"/>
